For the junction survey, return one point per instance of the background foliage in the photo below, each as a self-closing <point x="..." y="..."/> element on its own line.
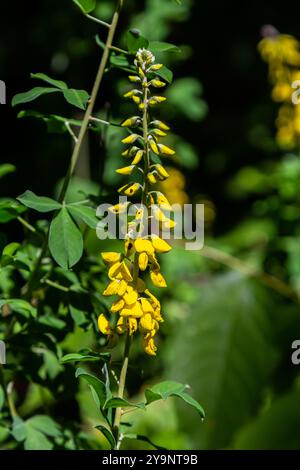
<point x="227" y="334"/>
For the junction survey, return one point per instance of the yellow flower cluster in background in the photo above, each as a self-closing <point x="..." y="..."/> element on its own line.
<point x="135" y="307"/>
<point x="282" y="53"/>
<point x="174" y="187"/>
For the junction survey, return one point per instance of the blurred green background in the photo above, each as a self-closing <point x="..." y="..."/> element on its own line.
<point x="227" y="334"/>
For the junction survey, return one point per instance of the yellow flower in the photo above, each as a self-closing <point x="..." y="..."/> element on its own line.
<point x="149" y="345"/>
<point x="142" y="244"/>
<point x="160" y="245"/>
<point x="156" y="100"/>
<point x="155" y="67"/>
<point x="143" y="261"/>
<point x="157" y="83"/>
<point x="161" y="171"/>
<point x="119" y="270"/>
<point x="147" y="322"/>
<point x="158" y="279"/>
<point x="130" y="139"/>
<point x="161" y="125"/>
<point x="129" y="189"/>
<point x="119" y="208"/>
<point x="117" y="305"/>
<point x="134" y="310"/>
<point x="134" y="78"/>
<point x="130" y="297"/>
<point x="138" y="157"/>
<point x="130" y="122"/>
<point x="110" y="257"/>
<point x="116" y="287"/>
<point x="164" y="150"/>
<point x="126" y="170"/>
<point x="151" y="178"/>
<point x="103" y="325"/>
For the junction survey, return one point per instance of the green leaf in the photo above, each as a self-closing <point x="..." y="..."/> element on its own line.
<point x="86" y="6"/>
<point x="77" y="315"/>
<point x="32" y="95"/>
<point x="39" y="203"/>
<point x="36" y="440"/>
<point x="77" y="98"/>
<point x="163" y="390"/>
<point x="85" y="213"/>
<point x="6" y="168"/>
<point x="276" y="428"/>
<point x="140" y="437"/>
<point x="135" y="41"/>
<point x="185" y="96"/>
<point x="51" y="81"/>
<point x="165" y="73"/>
<point x="158" y="46"/>
<point x="65" y="240"/>
<point x="10" y="209"/>
<point x="191" y="401"/>
<point x="44" y="424"/>
<point x="19" y="430"/>
<point x="2" y="398"/>
<point x="77" y="357"/>
<point x="97" y="385"/>
<point x="20" y="306"/>
<point x="109" y="436"/>
<point x="117" y="402"/>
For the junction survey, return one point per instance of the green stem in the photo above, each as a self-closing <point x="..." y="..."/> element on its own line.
<point x="7" y="390"/>
<point x="122" y="382"/>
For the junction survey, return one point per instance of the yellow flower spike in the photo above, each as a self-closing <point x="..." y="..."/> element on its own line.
<point x="130" y="122"/>
<point x="110" y="256"/>
<point x="161" y="125"/>
<point x="138" y="157"/>
<point x="129" y="189"/>
<point x="160" y="245"/>
<point x="153" y="145"/>
<point x="149" y="345"/>
<point x="151" y="178"/>
<point x="134" y="78"/>
<point x="146" y="306"/>
<point x="104" y="325"/>
<point x="117" y="305"/>
<point x="142" y="245"/>
<point x="143" y="261"/>
<point x="157" y="83"/>
<point x="147" y="322"/>
<point x="126" y="170"/>
<point x="130" y="297"/>
<point x="130" y="139"/>
<point x="156" y="100"/>
<point x="161" y="171"/>
<point x="158" y="279"/>
<point x="164" y="150"/>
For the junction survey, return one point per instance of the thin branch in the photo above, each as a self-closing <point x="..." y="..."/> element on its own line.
<point x="70" y="130"/>
<point x="103" y="23"/>
<point x="118" y="49"/>
<point x="238" y="265"/>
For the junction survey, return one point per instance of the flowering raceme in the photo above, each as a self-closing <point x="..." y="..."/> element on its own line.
<point x="135" y="307"/>
<point x="282" y="53"/>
